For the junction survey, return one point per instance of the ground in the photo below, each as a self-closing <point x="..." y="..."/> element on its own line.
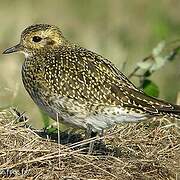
<point x="145" y="150"/>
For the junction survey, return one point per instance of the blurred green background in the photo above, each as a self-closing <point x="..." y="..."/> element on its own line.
<point x="121" y="30"/>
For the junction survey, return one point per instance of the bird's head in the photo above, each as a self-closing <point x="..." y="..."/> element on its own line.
<point x="36" y="38"/>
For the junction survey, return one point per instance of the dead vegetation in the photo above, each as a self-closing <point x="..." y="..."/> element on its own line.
<point x="146" y="150"/>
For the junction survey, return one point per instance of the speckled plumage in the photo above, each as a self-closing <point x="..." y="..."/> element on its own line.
<point x="83" y="88"/>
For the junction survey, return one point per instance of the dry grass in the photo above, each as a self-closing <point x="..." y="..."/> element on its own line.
<point x="146" y="150"/>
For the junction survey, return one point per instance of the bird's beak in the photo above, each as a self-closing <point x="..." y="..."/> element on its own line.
<point x="13" y="49"/>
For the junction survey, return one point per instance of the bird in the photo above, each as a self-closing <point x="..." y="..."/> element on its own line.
<point x="79" y="87"/>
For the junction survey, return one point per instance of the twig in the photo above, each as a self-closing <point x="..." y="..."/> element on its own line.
<point x="137" y="68"/>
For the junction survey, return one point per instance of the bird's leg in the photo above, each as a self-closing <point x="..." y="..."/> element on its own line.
<point x="101" y="144"/>
<point x="101" y="134"/>
<point x="89" y="134"/>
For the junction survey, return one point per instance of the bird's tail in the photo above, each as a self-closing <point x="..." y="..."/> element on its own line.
<point x="154" y="106"/>
<point x="166" y="108"/>
<point x="173" y="111"/>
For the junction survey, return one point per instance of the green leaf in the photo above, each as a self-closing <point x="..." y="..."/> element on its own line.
<point x="150" y="88"/>
<point x="45" y="118"/>
<point x="52" y="130"/>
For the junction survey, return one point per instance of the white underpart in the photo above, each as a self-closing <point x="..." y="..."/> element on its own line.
<point x="98" y="121"/>
<point x="79" y="117"/>
<point x="114" y="115"/>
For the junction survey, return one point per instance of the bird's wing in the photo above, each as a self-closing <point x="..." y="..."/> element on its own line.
<point x="150" y="104"/>
<point x="108" y="85"/>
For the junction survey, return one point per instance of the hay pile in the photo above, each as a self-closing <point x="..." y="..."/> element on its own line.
<point x="146" y="150"/>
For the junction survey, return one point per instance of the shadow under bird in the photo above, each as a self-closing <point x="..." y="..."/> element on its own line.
<point x="78" y="86"/>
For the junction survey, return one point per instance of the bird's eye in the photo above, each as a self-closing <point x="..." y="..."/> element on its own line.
<point x="36" y="39"/>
